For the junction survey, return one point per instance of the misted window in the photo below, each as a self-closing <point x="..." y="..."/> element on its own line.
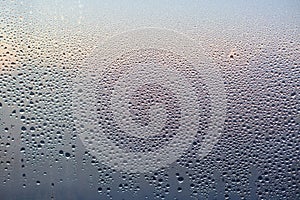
<point x="149" y="99"/>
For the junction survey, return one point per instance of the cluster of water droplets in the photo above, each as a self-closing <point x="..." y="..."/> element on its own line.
<point x="40" y="146"/>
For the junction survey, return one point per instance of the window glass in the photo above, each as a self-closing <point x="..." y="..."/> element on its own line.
<point x="149" y="99"/>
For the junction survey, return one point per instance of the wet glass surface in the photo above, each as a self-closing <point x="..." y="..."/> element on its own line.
<point x="149" y="99"/>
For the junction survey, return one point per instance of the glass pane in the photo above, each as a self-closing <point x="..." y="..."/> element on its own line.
<point x="149" y="99"/>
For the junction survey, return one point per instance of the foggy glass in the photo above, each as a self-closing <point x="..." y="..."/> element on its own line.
<point x="149" y="99"/>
